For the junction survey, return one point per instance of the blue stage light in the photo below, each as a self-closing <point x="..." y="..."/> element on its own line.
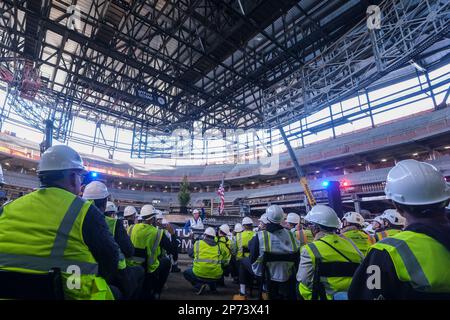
<point x="94" y="174"/>
<point x="325" y="183"/>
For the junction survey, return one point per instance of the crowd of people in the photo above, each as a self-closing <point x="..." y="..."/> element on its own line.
<point x="402" y="254"/>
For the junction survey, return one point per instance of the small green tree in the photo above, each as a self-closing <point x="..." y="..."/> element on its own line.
<point x="184" y="196"/>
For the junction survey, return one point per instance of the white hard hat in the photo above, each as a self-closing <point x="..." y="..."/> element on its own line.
<point x="394" y="217"/>
<point x="247" y="220"/>
<point x="195" y="211"/>
<point x="238" y="227"/>
<point x="324" y="216"/>
<point x="210" y="232"/>
<point x="110" y="207"/>
<point x="95" y="190"/>
<point x="164" y="222"/>
<point x="147" y="211"/>
<point x="293" y="218"/>
<point x="412" y="182"/>
<point x="275" y="214"/>
<point x="354" y="217"/>
<point x="60" y="157"/>
<point x="225" y="229"/>
<point x="129" y="211"/>
<point x="263" y="218"/>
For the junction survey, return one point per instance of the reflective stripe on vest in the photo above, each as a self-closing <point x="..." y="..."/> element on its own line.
<point x="409" y="260"/>
<point x="207" y="260"/>
<point x="153" y="249"/>
<point x="66" y="225"/>
<point x="197" y="255"/>
<point x="353" y="244"/>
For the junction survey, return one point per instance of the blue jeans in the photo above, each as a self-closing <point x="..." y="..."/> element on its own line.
<point x="198" y="282"/>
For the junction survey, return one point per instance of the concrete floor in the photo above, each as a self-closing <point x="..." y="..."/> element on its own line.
<point x="177" y="288"/>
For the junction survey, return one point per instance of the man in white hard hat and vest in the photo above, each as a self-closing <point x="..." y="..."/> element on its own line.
<point x="130" y="217"/>
<point x="413" y="264"/>
<point x="328" y="249"/>
<point x="195" y="224"/>
<point x="128" y="279"/>
<point x="148" y="236"/>
<point x="54" y="228"/>
<point x="393" y="223"/>
<point x="207" y="267"/>
<point x="275" y="238"/>
<point x="352" y="228"/>
<point x="224" y="241"/>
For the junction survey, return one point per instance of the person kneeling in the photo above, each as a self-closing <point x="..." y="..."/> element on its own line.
<point x="207" y="269"/>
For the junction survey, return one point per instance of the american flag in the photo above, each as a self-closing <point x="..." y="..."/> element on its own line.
<point x="221" y="193"/>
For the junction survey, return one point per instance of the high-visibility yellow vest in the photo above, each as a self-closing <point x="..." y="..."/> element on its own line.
<point x="225" y="249"/>
<point x="242" y="240"/>
<point x="43" y="230"/>
<point x="304" y="236"/>
<point x="207" y="260"/>
<point x="146" y="236"/>
<point x="386" y="233"/>
<point x="111" y="222"/>
<point x="318" y="250"/>
<point x="362" y="240"/>
<point x="419" y="260"/>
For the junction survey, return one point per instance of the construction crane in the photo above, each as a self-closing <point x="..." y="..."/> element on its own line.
<point x="301" y="175"/>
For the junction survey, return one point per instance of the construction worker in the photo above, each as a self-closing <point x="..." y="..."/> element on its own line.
<point x="224" y="241"/>
<point x="393" y="223"/>
<point x="327" y="247"/>
<point x="54" y="228"/>
<point x="292" y="220"/>
<point x="162" y="223"/>
<point x="128" y="279"/>
<point x="129" y="217"/>
<point x="263" y="222"/>
<point x="412" y="264"/>
<point x="147" y="236"/>
<point x="238" y="228"/>
<point x="275" y="239"/>
<point x="376" y="224"/>
<point x="243" y="238"/>
<point x="207" y="269"/>
<point x="353" y="223"/>
<point x="111" y="210"/>
<point x="194" y="224"/>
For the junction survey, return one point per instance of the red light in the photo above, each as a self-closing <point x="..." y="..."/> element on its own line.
<point x="345" y="183"/>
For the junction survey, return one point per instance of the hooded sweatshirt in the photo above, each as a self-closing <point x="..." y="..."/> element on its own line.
<point x="391" y="287"/>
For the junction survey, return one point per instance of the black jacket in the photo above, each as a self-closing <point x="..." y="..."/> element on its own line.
<point x="390" y="285"/>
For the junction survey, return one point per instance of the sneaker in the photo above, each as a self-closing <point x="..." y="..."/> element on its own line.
<point x="201" y="289"/>
<point x="239" y="296"/>
<point x="175" y="269"/>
